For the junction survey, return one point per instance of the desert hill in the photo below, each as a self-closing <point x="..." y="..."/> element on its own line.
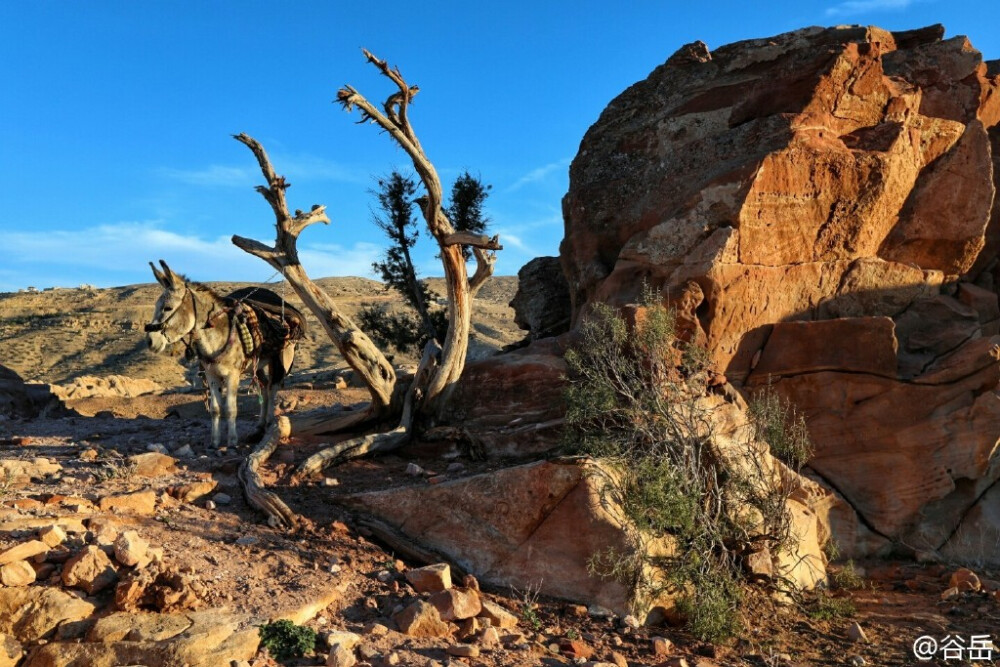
<point x="56" y="335"/>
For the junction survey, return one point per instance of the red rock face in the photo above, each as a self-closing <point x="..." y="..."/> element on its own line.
<point x="805" y="178"/>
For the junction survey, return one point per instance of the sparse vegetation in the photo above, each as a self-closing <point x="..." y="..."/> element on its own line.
<point x="283" y="639"/>
<point x="847" y="578"/>
<point x="828" y="608"/>
<point x="636" y="400"/>
<point x="527" y="606"/>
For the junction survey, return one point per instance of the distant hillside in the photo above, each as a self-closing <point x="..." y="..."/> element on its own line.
<point x="56" y="335"/>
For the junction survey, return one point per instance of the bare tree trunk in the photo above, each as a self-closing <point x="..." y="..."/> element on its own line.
<point x="393" y="119"/>
<point x="354" y="345"/>
<point x="278" y="513"/>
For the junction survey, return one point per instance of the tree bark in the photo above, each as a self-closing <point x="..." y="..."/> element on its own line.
<point x="278" y="513"/>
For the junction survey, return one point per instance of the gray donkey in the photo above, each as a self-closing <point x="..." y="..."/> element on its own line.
<point x="250" y="329"/>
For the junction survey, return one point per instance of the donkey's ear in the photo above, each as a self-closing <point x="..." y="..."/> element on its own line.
<point x="173" y="280"/>
<point x="160" y="278"/>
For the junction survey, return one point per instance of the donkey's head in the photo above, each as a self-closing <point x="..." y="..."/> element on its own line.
<point x="175" y="315"/>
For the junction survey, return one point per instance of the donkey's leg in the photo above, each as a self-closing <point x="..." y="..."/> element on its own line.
<point x="232" y="381"/>
<point x="264" y="380"/>
<point x="214" y="404"/>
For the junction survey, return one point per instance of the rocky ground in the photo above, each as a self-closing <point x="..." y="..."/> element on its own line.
<point x="124" y="540"/>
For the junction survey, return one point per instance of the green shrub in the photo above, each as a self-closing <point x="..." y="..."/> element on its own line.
<point x="635" y="400"/>
<point x="828" y="608"/>
<point x="283" y="639"/>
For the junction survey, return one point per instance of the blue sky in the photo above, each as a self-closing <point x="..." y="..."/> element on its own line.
<point x="116" y="117"/>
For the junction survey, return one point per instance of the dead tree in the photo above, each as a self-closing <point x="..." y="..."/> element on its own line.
<point x="440" y="367"/>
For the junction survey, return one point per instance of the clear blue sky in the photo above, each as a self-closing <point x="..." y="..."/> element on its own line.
<point x="116" y="117"/>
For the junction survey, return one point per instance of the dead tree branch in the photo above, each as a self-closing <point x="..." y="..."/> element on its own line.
<point x="354" y="345"/>
<point x="278" y="513"/>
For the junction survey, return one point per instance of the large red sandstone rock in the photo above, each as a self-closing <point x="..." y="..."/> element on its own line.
<point x="822" y="174"/>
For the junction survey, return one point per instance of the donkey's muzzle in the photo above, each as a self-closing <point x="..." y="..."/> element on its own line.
<point x="154" y="326"/>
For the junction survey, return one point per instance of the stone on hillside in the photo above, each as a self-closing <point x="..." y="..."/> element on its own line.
<point x="33" y="612"/>
<point x="856" y="633"/>
<point x="498" y="616"/>
<point x="430" y="578"/>
<point x="18" y="573"/>
<point x="138" y="502"/>
<point x="222" y="498"/>
<point x="103" y="529"/>
<point x="346" y="639"/>
<point x="421" y="619"/>
<point x="193" y="491"/>
<point x="519" y="526"/>
<point x="490" y="639"/>
<point x="153" y="464"/>
<point x="90" y="570"/>
<point x="131" y="549"/>
<point x="23" y="551"/>
<point x="340" y="656"/>
<point x="52" y="535"/>
<point x="456" y="603"/>
<point x="542" y="304"/>
<point x="463" y="650"/>
<point x="11" y="651"/>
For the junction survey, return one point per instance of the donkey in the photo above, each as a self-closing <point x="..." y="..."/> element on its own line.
<point x="250" y="329"/>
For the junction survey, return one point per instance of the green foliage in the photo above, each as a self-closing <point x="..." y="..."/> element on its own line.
<point x="848" y="578"/>
<point x="827" y="608"/>
<point x="465" y="208"/>
<point x="397" y="215"/>
<point x="283" y="639"/>
<point x="776" y="421"/>
<point x="636" y="400"/>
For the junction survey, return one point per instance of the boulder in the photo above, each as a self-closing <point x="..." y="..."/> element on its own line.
<point x="832" y="191"/>
<point x="455" y="604"/>
<point x="131" y="549"/>
<point x="11" y="651"/>
<point x="525" y="526"/>
<point x="32" y="613"/>
<point x="421" y="619"/>
<point x="18" y="573"/>
<point x="23" y="551"/>
<point x="430" y="578"/>
<point x="89" y="570"/>
<point x="541" y="304"/>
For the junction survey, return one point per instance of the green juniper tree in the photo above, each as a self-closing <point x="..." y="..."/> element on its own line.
<point x="397" y="217"/>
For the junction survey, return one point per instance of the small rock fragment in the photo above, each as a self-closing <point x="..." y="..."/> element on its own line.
<point x="131" y="549"/>
<point x="662" y="646"/>
<point x="421" y="619"/>
<point x="856" y="633"/>
<point x="52" y="535"/>
<point x="431" y="578"/>
<point x="463" y="650"/>
<point x="18" y="573"/>
<point x="23" y="551"/>
<point x="340" y="656"/>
